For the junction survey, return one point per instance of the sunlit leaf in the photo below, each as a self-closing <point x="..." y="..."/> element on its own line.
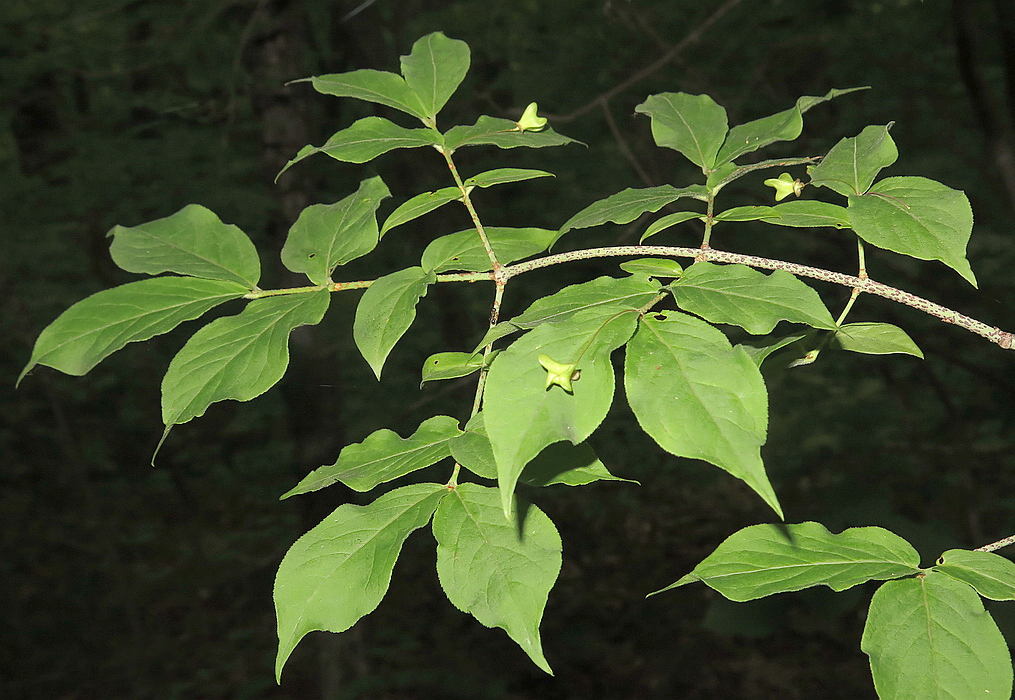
<point x="434" y="69"/>
<point x="340" y="570"/>
<point x="464" y="250"/>
<point x="748" y="214"/>
<point x="451" y="365"/>
<point x="853" y="163"/>
<point x="654" y="267"/>
<point x="504" y="133"/>
<point x="502" y="176"/>
<point x="692" y="124"/>
<point x="669" y="221"/>
<point x="193" y="242"/>
<point x="810" y="213"/>
<point x="237" y="357"/>
<point x="385" y="312"/>
<point x="373" y="86"/>
<point x="876" y="339"/>
<point x="760" y="348"/>
<point x="628" y="205"/>
<point x="489" y="569"/>
<point x="419" y="205"/>
<point x="992" y="575"/>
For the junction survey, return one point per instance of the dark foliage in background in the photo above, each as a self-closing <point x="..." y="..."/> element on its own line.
<point x="121" y="580"/>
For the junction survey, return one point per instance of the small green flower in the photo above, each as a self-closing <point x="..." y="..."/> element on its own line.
<point x="784" y="185"/>
<point x="529" y="120"/>
<point x="556" y="373"/>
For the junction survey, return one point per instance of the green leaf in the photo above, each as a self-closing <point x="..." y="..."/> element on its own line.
<point x="385" y="312"/>
<point x="929" y="637"/>
<point x="747" y="298"/>
<point x="853" y="163"/>
<point x="464" y="250"/>
<point x="504" y="133"/>
<point x="192" y="242"/>
<point x="748" y="214"/>
<point x="328" y="235"/>
<point x="992" y="575"/>
<point x="501" y="176"/>
<point x="419" y="205"/>
<point x="698" y="397"/>
<point x="340" y="570"/>
<point x="669" y="221"/>
<point x="762" y="560"/>
<point x="760" y="348"/>
<point x="373" y="86"/>
<point x="237" y="357"/>
<point x="692" y="124"/>
<point x="451" y="365"/>
<point x="628" y="205"/>
<point x="366" y="139"/>
<point x="917" y="217"/>
<point x="876" y="339"/>
<point x="489" y="569"/>
<point x="96" y="327"/>
<point x="523" y="415"/>
<point x="810" y="213"/>
<point x="654" y="267"/>
<point x="434" y="70"/>
<point x="383" y="456"/>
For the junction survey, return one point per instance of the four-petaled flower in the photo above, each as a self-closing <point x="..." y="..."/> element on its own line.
<point x="784" y="185"/>
<point x="530" y="121"/>
<point x="556" y="373"/>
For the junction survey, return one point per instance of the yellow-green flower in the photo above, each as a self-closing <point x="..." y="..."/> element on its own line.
<point x="557" y="373"/>
<point x="530" y="121"/>
<point x="785" y="185"/>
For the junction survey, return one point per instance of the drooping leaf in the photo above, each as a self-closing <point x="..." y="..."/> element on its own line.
<point x="744" y="297"/>
<point x="876" y="339"/>
<point x="654" y="267"/>
<point x="992" y="575"/>
<point x="502" y="176"/>
<point x="489" y="569"/>
<point x="464" y="250"/>
<point x="385" y="312"/>
<point x="237" y="357"/>
<point x="383" y="456"/>
<point x="434" y="70"/>
<point x="328" y="235"/>
<point x="523" y="415"/>
<point x="626" y="206"/>
<point x="762" y="560"/>
<point x="748" y="214"/>
<point x="451" y="365"/>
<point x="698" y="397"/>
<point x="366" y="139"/>
<point x="759" y="349"/>
<point x="340" y="570"/>
<point x="691" y="124"/>
<point x="810" y="213"/>
<point x="192" y="242"/>
<point x="853" y="163"/>
<point x="669" y="221"/>
<point x="928" y="637"/>
<point x="917" y="217"/>
<point x="373" y="86"/>
<point x="96" y="327"/>
<point x="504" y="133"/>
<point x="419" y="205"/>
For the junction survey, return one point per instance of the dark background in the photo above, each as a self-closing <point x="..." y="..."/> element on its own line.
<point x="119" y="580"/>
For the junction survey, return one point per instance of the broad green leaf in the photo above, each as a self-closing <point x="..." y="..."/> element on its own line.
<point x="654" y="267"/>
<point x="853" y="163"/>
<point x="237" y="357"/>
<point x="434" y="70"/>
<point x="523" y="415"/>
<point x="929" y="638"/>
<point x="559" y="463"/>
<point x="748" y="214"/>
<point x="917" y="217"/>
<point x="192" y="242"/>
<point x="383" y="456"/>
<point x="366" y="139"/>
<point x="626" y="206"/>
<point x="373" y="86"/>
<point x="385" y="312"/>
<point x="876" y="339"/>
<point x="96" y="327"/>
<point x="692" y="124"/>
<point x="669" y="221"/>
<point x="489" y="569"/>
<point x="338" y="572"/>
<point x="759" y="349"/>
<point x="810" y="213"/>
<point x="698" y="397"/>
<point x="747" y="298"/>
<point x="464" y="250"/>
<point x="328" y="235"/>
<point x="504" y="133"/>
<point x="992" y="575"/>
<point x="419" y="205"/>
<point x="501" y="176"/>
<point x="451" y="365"/>
<point x="782" y="126"/>
<point x="762" y="560"/>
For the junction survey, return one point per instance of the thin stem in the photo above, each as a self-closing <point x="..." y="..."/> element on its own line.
<point x="708" y="220"/>
<point x="862" y="274"/>
<point x="497" y="267"/>
<point x="996" y="545"/>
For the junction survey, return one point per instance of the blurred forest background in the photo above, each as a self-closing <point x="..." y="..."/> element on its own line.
<point x="120" y="580"/>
